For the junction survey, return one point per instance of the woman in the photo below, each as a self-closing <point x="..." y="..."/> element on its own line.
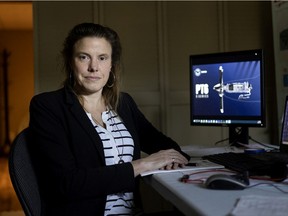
<point x="86" y="137"/>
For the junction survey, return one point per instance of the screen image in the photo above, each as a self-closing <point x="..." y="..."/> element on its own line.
<point x="225" y="85"/>
<point x="227" y="89"/>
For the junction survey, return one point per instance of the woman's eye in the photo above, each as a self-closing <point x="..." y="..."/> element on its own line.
<point x="83" y="57"/>
<point x="103" y="58"/>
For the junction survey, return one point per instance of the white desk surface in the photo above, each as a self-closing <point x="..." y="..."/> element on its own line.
<point x="195" y="199"/>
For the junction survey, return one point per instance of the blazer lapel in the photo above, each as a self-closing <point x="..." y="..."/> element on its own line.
<point x="80" y="115"/>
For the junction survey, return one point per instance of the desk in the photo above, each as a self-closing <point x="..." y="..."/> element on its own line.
<point x="195" y="199"/>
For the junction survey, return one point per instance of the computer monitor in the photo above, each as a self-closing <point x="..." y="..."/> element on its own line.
<point x="227" y="89"/>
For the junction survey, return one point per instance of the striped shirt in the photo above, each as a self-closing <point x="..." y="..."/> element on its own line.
<point x="118" y="146"/>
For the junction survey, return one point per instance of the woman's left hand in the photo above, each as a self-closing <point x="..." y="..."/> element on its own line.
<point x="172" y="166"/>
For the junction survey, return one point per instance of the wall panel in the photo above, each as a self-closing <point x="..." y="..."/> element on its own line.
<point x="136" y="24"/>
<point x="51" y="27"/>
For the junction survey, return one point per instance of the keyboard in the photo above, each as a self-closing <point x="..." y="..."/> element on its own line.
<point x="272" y="156"/>
<point x="248" y="164"/>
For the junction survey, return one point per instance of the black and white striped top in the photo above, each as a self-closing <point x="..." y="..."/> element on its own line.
<point x="118" y="145"/>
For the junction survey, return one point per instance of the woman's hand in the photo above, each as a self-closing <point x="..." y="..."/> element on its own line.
<point x="164" y="159"/>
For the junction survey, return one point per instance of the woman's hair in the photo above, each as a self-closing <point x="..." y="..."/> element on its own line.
<point x="112" y="88"/>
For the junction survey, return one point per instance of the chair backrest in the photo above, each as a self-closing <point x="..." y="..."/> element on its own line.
<point x="23" y="177"/>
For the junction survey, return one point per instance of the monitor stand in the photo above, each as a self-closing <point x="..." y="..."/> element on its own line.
<point x="238" y="135"/>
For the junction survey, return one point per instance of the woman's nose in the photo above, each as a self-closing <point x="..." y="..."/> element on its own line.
<point x="93" y="66"/>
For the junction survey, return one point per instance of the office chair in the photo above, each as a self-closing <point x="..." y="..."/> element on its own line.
<point x="23" y="177"/>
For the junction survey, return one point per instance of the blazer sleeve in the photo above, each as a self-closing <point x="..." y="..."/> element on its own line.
<point x="150" y="138"/>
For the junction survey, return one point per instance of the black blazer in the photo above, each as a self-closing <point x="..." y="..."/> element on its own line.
<point x="69" y="155"/>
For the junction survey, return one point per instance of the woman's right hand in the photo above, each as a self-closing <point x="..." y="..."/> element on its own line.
<point x="164" y="159"/>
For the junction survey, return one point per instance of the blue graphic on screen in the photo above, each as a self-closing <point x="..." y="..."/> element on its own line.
<point x="231" y="88"/>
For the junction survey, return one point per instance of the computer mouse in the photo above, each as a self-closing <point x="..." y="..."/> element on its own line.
<point x="226" y="182"/>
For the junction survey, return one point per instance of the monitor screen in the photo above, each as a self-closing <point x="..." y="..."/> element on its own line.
<point x="226" y="89"/>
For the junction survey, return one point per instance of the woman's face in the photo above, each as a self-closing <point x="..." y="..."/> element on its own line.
<point x="92" y="62"/>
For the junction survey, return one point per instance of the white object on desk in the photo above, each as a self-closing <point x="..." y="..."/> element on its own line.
<point x="261" y="206"/>
<point x="199" y="151"/>
<point x="200" y="165"/>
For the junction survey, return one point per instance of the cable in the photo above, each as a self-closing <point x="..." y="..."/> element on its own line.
<point x="267" y="146"/>
<point x="186" y="177"/>
<point x="220" y="141"/>
<point x="271" y="184"/>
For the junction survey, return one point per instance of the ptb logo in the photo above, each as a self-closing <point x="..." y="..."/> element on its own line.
<point x="202" y="90"/>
